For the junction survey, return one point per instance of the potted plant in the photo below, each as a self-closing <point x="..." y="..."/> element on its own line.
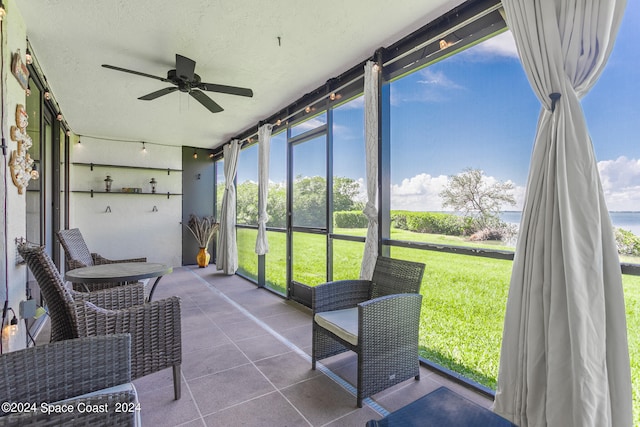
<point x="203" y="229"/>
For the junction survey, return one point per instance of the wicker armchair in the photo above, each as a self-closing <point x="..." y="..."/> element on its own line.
<point x="155" y="328"/>
<point x="81" y="373"/>
<point x="378" y="319"/>
<point x="78" y="255"/>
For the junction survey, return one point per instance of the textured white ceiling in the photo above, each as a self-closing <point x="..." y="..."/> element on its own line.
<point x="234" y="42"/>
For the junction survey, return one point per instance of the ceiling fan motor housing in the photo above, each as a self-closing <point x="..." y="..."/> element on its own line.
<point x="184" y="84"/>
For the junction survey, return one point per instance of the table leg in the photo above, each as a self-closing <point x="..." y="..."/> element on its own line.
<point x="153" y="288"/>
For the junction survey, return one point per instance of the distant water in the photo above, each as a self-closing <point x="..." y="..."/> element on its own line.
<point x="626" y="220"/>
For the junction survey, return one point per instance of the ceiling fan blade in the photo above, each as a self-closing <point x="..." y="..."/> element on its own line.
<point x="158" y="93"/>
<point x="232" y="90"/>
<point x="203" y="99"/>
<point x="162" y="79"/>
<point x="185" y="67"/>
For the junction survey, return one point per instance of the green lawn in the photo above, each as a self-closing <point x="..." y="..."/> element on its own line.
<point x="464" y="296"/>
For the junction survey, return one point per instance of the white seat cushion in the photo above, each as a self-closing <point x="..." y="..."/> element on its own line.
<point x="343" y="323"/>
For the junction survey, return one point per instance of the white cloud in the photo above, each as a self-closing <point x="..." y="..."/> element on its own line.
<point x="621" y="183"/>
<point x="501" y="45"/>
<point x="437" y="79"/>
<point x="433" y="86"/>
<point x="354" y="104"/>
<point x="421" y="193"/>
<point x="310" y="124"/>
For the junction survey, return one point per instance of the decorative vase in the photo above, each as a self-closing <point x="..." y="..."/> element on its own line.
<point x="203" y="258"/>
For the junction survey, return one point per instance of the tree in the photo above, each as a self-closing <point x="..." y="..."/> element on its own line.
<point x="309" y="201"/>
<point x="277" y="205"/>
<point x="470" y="192"/>
<point x="247" y="203"/>
<point x="345" y="193"/>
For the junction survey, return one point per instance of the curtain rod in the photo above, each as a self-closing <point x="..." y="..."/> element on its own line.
<point x="453" y="29"/>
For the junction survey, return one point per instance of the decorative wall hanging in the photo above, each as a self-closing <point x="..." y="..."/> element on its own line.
<point x="19" y="70"/>
<point x="20" y="162"/>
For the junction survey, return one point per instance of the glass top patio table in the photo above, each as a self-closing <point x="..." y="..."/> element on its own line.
<point x="119" y="272"/>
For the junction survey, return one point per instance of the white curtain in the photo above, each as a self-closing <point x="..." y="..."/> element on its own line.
<point x="371" y="75"/>
<point x="564" y="359"/>
<point x="227" y="254"/>
<point x="264" y="144"/>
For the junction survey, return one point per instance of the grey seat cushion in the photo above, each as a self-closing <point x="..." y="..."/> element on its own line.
<point x="343" y="323"/>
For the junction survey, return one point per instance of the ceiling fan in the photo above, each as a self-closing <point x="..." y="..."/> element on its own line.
<point x="186" y="80"/>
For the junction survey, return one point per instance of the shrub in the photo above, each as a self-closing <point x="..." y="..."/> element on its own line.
<point x="399" y="219"/>
<point x="429" y="222"/>
<point x="350" y="219"/>
<point x="487" y="234"/>
<point x="495" y="229"/>
<point x="627" y="242"/>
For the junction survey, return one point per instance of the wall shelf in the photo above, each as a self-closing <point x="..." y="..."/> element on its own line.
<point x="92" y="192"/>
<point x="103" y="165"/>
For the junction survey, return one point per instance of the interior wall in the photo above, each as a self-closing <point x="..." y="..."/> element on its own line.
<point x="14" y="204"/>
<point x="132" y="228"/>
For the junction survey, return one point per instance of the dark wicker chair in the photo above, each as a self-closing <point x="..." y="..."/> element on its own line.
<point x="378" y="319"/>
<point x="155" y="328"/>
<point x="78" y="255"/>
<point x="68" y="371"/>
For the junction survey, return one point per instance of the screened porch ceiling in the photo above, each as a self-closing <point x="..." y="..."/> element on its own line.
<point x="281" y="50"/>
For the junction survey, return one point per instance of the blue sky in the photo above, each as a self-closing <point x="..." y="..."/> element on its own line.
<point x="476" y="109"/>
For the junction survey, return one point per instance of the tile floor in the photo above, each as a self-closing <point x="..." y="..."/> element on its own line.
<point x="246" y="362"/>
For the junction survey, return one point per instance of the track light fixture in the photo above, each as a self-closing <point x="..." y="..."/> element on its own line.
<point x="28" y="58"/>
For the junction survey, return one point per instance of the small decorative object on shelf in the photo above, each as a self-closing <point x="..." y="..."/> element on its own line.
<point x="136" y="190"/>
<point x="107" y="183"/>
<point x="203" y="229"/>
<point x="153" y="183"/>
